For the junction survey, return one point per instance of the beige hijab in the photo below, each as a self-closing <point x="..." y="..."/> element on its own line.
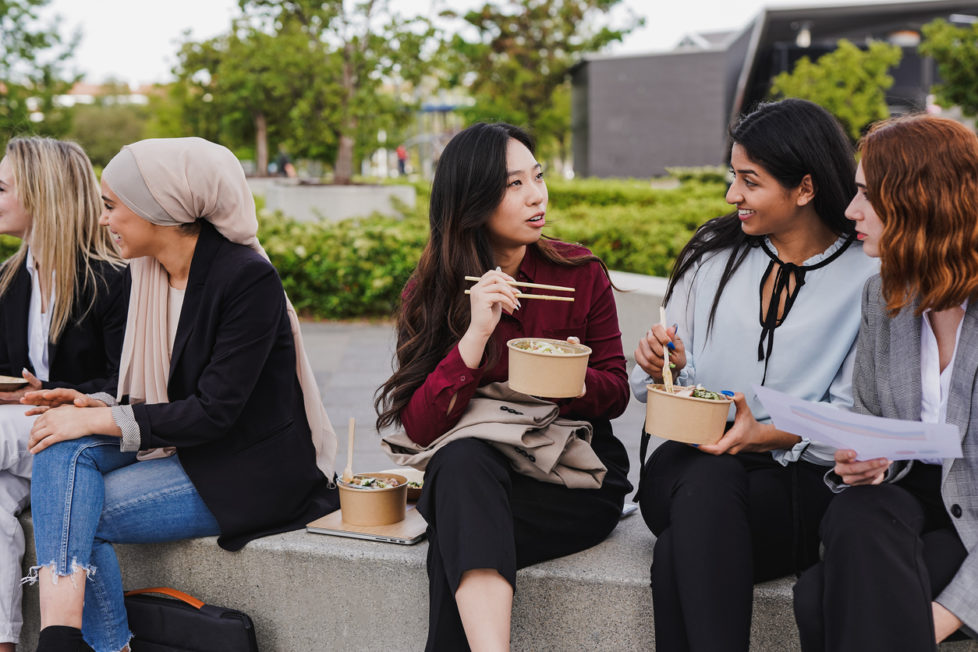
<point x="172" y="181"/>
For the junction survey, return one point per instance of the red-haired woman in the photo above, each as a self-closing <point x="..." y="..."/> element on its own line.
<point x="900" y="566"/>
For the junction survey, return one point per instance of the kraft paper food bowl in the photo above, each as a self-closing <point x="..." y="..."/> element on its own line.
<point x="551" y="375"/>
<point x="412" y="475"/>
<point x="685" y="418"/>
<point x="365" y="506"/>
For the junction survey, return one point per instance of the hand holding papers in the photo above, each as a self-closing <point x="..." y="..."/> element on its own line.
<point x="869" y="436"/>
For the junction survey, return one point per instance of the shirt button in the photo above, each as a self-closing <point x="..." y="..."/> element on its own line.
<point x="462" y="378"/>
<point x="956" y="511"/>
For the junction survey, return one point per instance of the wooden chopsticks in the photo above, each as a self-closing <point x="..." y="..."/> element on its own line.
<point x="538" y="286"/>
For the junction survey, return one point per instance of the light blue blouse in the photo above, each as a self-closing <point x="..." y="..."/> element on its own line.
<point x="814" y="347"/>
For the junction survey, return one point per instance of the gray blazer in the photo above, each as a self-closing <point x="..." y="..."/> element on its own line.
<point x="886" y="382"/>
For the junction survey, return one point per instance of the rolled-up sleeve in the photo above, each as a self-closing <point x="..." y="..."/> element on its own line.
<point x="126" y="420"/>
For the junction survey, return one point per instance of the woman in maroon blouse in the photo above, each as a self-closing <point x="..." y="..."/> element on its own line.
<point x="488" y="208"/>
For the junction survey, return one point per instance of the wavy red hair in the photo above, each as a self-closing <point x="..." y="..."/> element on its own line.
<point x="922" y="179"/>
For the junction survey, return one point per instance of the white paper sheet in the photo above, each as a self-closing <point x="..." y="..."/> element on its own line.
<point x="869" y="436"/>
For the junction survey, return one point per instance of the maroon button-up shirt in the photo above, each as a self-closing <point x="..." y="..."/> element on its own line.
<point x="592" y="317"/>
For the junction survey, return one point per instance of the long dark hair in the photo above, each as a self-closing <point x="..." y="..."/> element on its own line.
<point x="468" y="186"/>
<point x="789" y="139"/>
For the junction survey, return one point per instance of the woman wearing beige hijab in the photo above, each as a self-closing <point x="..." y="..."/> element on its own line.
<point x="212" y="369"/>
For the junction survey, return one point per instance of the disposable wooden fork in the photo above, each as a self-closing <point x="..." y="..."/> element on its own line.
<point x="666" y="371"/>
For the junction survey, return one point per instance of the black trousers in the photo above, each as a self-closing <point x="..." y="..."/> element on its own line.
<point x="723" y="523"/>
<point x="483" y="515"/>
<point x="889" y="550"/>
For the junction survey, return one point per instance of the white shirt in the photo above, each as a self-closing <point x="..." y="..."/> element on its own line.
<point x="174" y="307"/>
<point x="38" y="323"/>
<point x="814" y="348"/>
<point x="935" y="384"/>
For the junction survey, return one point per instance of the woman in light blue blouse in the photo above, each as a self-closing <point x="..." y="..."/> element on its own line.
<point x="769" y="295"/>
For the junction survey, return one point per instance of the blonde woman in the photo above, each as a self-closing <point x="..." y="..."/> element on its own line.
<point x="212" y="369"/>
<point x="62" y="315"/>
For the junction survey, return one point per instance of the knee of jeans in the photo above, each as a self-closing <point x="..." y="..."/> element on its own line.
<point x="57" y="572"/>
<point x="57" y="456"/>
<point x="54" y="456"/>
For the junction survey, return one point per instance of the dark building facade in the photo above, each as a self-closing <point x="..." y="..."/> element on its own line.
<point x="633" y="116"/>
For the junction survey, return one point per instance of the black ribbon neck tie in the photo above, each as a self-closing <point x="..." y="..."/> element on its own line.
<point x="782" y="286"/>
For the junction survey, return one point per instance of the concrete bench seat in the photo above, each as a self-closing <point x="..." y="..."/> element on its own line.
<point x="315" y="592"/>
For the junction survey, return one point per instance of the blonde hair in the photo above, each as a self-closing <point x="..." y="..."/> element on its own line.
<point x="55" y="183"/>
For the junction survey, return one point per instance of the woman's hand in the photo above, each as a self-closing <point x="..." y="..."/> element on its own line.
<point x="855" y="473"/>
<point x="649" y="354"/>
<point x="33" y="384"/>
<point x="487" y="299"/>
<point x="79" y="400"/>
<point x="748" y="435"/>
<point x="49" y="398"/>
<point x="70" y="422"/>
<point x="945" y="622"/>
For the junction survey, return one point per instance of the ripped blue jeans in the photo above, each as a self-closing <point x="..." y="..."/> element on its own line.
<point x="86" y="495"/>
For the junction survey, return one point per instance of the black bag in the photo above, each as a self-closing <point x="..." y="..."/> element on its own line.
<point x="186" y="624"/>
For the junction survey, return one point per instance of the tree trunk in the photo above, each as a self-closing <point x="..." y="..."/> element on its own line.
<point x="344" y="160"/>
<point x="261" y="144"/>
<point x="343" y="169"/>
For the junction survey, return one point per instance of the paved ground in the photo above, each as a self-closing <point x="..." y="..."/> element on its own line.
<point x="351" y="360"/>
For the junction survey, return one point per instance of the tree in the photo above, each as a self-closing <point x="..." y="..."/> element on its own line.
<point x="307" y="74"/>
<point x="955" y="49"/>
<point x="241" y="87"/>
<point x="516" y="63"/>
<point x="849" y="82"/>
<point x="31" y="58"/>
<point x="367" y="46"/>
<point x="103" y="130"/>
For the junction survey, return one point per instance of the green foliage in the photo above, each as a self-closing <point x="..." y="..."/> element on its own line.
<point x="103" y="129"/>
<point x="304" y="74"/>
<point x="701" y="173"/>
<point x="849" y="82"/>
<point x="519" y="57"/>
<point x="630" y="226"/>
<point x="353" y="268"/>
<point x="32" y="55"/>
<point x="357" y="268"/>
<point x="955" y="49"/>
<point x="8" y="246"/>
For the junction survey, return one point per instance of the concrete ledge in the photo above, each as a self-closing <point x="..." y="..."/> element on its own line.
<point x="638" y="304"/>
<point x="308" y="203"/>
<point x="315" y="592"/>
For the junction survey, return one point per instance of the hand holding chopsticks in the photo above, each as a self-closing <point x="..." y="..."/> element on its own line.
<point x="538" y="286"/>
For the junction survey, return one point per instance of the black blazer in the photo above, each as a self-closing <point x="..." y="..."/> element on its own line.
<point x="86" y="356"/>
<point x="236" y="414"/>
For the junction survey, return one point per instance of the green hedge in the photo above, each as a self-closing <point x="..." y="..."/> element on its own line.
<point x="8" y="246"/>
<point x="353" y="268"/>
<point x="356" y="268"/>
<point x="643" y="235"/>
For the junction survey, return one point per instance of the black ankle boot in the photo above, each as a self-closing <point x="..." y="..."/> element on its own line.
<point x="58" y="638"/>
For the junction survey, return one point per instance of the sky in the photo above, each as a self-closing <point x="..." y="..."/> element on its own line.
<point x="136" y="40"/>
